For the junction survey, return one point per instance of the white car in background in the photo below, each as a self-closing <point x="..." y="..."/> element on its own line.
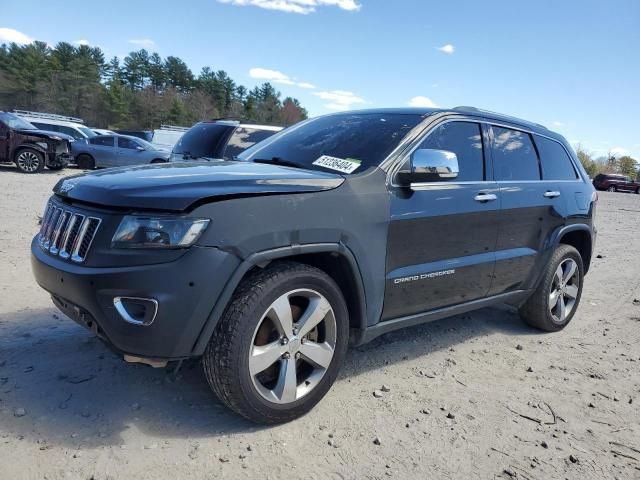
<point x="167" y="136"/>
<point x="58" y="123"/>
<point x="103" y="131"/>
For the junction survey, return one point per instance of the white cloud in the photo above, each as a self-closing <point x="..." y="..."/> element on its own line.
<point x="619" y="151"/>
<point x="302" y="7"/>
<point x="558" y="124"/>
<point x="448" y="48"/>
<point x="339" y="99"/>
<point x="82" y="42"/>
<point x="9" y="35"/>
<point x="276" y="76"/>
<point x="422" y="102"/>
<point x="143" y="42"/>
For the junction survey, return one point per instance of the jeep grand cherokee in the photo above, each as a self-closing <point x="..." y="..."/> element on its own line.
<point x="345" y="226"/>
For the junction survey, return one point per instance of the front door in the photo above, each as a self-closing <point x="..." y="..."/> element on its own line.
<point x="128" y="152"/>
<point x="442" y="235"/>
<point x="104" y="150"/>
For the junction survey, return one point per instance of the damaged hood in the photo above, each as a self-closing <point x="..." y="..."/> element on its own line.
<point x="176" y="186"/>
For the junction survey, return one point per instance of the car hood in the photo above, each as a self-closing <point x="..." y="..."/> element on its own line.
<point x="176" y="186"/>
<point x="44" y="134"/>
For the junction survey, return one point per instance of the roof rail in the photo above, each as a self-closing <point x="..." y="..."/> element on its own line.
<point x="48" y="116"/>
<point x="465" y="108"/>
<point x="175" y="128"/>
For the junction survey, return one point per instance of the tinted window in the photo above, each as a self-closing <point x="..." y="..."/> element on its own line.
<point x="124" y="142"/>
<point x="70" y="131"/>
<point x="244" y="138"/>
<point x="465" y="140"/>
<point x="203" y="140"/>
<point x="12" y="121"/>
<point x="514" y="157"/>
<point x="104" y="141"/>
<point x="44" y="126"/>
<point x="358" y="139"/>
<point x="556" y="164"/>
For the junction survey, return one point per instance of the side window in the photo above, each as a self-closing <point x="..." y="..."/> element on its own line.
<point x="71" y="131"/>
<point x="127" y="143"/>
<point x="244" y="138"/>
<point x="44" y="126"/>
<point x="104" y="141"/>
<point x="465" y="140"/>
<point x="514" y="156"/>
<point x="556" y="164"/>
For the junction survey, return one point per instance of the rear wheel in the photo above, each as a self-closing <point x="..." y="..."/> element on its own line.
<point x="85" y="162"/>
<point x="279" y="345"/>
<point x="555" y="301"/>
<point x="29" y="160"/>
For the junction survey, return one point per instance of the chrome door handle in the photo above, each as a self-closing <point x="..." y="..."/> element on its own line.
<point x="485" y="197"/>
<point x="551" y="194"/>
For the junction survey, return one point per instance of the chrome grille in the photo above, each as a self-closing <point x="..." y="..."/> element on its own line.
<point x="66" y="233"/>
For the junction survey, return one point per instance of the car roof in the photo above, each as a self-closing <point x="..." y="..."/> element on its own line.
<point x="50" y="121"/>
<point x="467" y="111"/>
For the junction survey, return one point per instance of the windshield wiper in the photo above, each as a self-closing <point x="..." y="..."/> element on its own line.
<point x="279" y="161"/>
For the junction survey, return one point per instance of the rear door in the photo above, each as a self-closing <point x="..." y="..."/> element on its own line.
<point x="531" y="208"/>
<point x="442" y="235"/>
<point x="103" y="150"/>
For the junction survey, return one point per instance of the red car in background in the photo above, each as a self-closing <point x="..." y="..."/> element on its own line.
<point x="615" y="183"/>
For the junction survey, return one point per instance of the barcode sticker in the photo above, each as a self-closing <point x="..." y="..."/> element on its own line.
<point x="344" y="165"/>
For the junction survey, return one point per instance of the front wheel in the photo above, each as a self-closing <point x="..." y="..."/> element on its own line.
<point x="280" y="343"/>
<point x="555" y="301"/>
<point x="29" y="160"/>
<point x="85" y="162"/>
<point x="612" y="188"/>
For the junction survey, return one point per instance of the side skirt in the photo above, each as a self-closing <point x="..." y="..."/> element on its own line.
<point x="363" y="336"/>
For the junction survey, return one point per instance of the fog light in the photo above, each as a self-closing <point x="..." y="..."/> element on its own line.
<point x="136" y="310"/>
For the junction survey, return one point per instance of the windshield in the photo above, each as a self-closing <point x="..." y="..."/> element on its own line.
<point x="203" y="140"/>
<point x="147" y="145"/>
<point x="88" y="132"/>
<point x="347" y="142"/>
<point x="13" y="121"/>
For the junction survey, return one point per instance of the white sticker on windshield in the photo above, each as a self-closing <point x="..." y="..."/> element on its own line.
<point x="344" y="165"/>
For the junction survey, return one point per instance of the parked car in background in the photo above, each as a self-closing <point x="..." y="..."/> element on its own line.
<point x="143" y="134"/>
<point x="29" y="148"/>
<point x="58" y="123"/>
<point x="168" y="135"/>
<point x="102" y="131"/>
<point x="613" y="183"/>
<point x="117" y="151"/>
<point x="219" y="139"/>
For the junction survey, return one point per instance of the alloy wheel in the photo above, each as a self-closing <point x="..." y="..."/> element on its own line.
<point x="292" y="346"/>
<point x="564" y="290"/>
<point x="28" y="161"/>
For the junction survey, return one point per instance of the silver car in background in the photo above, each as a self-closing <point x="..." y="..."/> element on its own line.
<point x="117" y="151"/>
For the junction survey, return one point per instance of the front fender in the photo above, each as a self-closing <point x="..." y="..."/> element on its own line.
<point x="267" y="256"/>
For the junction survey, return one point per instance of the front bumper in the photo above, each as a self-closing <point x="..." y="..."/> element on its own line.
<point x="186" y="291"/>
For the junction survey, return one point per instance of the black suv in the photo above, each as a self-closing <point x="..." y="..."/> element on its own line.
<point x="29" y="148"/>
<point x="219" y="139"/>
<point x="342" y="227"/>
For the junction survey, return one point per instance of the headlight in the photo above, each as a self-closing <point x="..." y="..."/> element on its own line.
<point x="158" y="232"/>
<point x="44" y="145"/>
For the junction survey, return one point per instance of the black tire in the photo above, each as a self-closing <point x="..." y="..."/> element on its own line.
<point x="536" y="311"/>
<point x="612" y="188"/>
<point x="226" y="359"/>
<point x="85" y="162"/>
<point x="158" y="160"/>
<point x="29" y="160"/>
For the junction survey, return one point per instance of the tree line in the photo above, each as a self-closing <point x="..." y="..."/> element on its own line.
<point x="140" y="92"/>
<point x="623" y="165"/>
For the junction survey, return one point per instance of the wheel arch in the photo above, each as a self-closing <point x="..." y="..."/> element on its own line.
<point x="29" y="146"/>
<point x="335" y="259"/>
<point x="579" y="237"/>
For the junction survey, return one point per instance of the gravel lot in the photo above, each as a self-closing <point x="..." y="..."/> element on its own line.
<point x="476" y="396"/>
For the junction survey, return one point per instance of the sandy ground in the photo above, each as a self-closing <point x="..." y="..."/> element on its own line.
<point x="475" y="396"/>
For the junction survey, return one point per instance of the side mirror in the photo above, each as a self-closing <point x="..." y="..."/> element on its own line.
<point x="427" y="165"/>
<point x="139" y="148"/>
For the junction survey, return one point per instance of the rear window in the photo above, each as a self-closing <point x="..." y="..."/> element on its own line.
<point x="203" y="140"/>
<point x="514" y="157"/>
<point x="556" y="164"/>
<point x="244" y="138"/>
<point x="346" y="142"/>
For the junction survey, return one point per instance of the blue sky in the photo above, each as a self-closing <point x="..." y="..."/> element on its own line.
<point x="572" y="65"/>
